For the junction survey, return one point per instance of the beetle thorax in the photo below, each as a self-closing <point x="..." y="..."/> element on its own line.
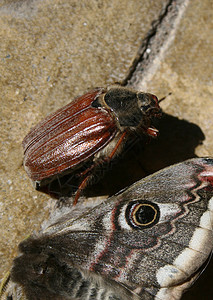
<point x="123" y="104"/>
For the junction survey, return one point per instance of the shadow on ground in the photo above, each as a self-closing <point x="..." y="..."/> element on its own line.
<point x="177" y="142"/>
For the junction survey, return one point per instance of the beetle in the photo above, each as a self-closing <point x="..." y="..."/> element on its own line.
<point x="90" y="130"/>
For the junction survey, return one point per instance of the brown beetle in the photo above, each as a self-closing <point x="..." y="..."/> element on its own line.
<point x="89" y="130"/>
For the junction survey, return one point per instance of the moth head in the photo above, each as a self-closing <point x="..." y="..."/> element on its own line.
<point x="37" y="270"/>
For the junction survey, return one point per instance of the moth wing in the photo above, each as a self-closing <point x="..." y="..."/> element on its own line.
<point x="163" y="260"/>
<point x="155" y="262"/>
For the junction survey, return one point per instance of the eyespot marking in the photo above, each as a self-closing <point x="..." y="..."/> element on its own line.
<point x="142" y="214"/>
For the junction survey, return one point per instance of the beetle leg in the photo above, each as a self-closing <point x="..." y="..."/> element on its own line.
<point x="87" y="170"/>
<point x="152" y="131"/>
<point x="106" y="159"/>
<point x="116" y="146"/>
<point x="84" y="183"/>
<point x="81" y="188"/>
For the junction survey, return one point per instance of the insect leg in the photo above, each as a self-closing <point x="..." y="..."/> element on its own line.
<point x="84" y="183"/>
<point x="81" y="188"/>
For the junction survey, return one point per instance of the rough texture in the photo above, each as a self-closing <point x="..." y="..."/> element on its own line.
<point x="52" y="51"/>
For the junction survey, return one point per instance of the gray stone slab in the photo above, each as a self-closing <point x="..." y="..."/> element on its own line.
<point x="52" y="51"/>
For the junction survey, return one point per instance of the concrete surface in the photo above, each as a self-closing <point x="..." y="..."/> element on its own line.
<point x="52" y="51"/>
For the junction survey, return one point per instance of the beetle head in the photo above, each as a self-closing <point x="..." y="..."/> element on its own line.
<point x="149" y="104"/>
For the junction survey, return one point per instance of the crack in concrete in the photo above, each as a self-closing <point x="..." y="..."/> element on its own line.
<point x="155" y="44"/>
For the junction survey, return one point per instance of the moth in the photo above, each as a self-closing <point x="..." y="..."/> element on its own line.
<point x="90" y="130"/>
<point x="148" y="242"/>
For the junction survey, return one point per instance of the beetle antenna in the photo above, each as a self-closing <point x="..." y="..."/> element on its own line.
<point x="160" y="100"/>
